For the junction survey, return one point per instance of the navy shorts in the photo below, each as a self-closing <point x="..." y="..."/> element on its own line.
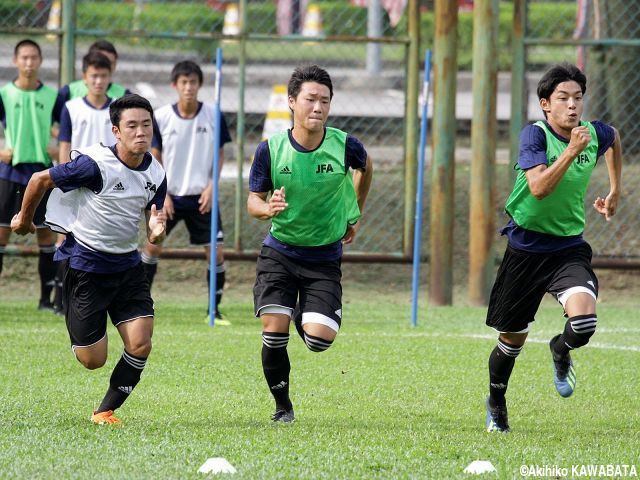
<point x="91" y="296"/>
<point x="198" y="225"/>
<point x="11" y="195"/>
<point x="524" y="277"/>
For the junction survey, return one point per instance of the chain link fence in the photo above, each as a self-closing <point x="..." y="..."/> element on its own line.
<point x="603" y="39"/>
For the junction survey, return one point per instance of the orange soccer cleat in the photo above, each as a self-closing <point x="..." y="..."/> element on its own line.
<point x="103" y="418"/>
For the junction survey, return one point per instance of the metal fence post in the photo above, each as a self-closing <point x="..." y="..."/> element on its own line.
<point x="242" y="63"/>
<point x="519" y="101"/>
<point x="483" y="150"/>
<point x="411" y="116"/>
<point x="443" y="167"/>
<point x="68" y="42"/>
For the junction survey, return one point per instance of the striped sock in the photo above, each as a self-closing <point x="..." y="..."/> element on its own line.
<point x="501" y="362"/>
<point x="124" y="378"/>
<point x="577" y="332"/>
<point x="276" y="367"/>
<point x="316" y="344"/>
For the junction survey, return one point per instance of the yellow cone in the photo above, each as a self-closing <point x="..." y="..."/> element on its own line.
<point x="278" y="116"/>
<point x="313" y="22"/>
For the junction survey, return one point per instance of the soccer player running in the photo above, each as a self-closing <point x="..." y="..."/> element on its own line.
<point x="26" y="112"/>
<point x="546" y="252"/>
<point x="314" y="207"/>
<point x="84" y="121"/>
<point x="183" y="142"/>
<point x="110" y="187"/>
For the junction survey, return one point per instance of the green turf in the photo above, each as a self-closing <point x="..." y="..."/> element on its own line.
<point x="386" y="401"/>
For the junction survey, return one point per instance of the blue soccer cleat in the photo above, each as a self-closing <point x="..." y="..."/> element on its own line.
<point x="497" y="419"/>
<point x="564" y="375"/>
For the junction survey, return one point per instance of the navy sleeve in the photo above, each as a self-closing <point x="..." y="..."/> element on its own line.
<point x="158" y="198"/>
<point x="127" y="91"/>
<point x="80" y="172"/>
<point x="64" y="95"/>
<point x="355" y="156"/>
<point x="606" y="136"/>
<point x="224" y="131"/>
<point x="156" y="141"/>
<point x="65" y="133"/>
<point x="260" y="174"/>
<point x="533" y="148"/>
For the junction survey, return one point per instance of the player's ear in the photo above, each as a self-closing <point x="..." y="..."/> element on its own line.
<point x="116" y="131"/>
<point x="544" y="104"/>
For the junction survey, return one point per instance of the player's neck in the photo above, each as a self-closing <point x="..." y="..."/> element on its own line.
<point x="96" y="101"/>
<point x="27" y="83"/>
<point x="188" y="109"/>
<point x="306" y="138"/>
<point x="130" y="159"/>
<point x="563" y="132"/>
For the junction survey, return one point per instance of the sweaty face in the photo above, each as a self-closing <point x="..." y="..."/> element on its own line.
<point x="311" y="106"/>
<point x="97" y="80"/>
<point x="187" y="87"/>
<point x="28" y="61"/>
<point x="564" y="107"/>
<point x="135" y="130"/>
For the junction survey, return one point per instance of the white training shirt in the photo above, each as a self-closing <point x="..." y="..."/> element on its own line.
<point x="88" y="125"/>
<point x="187" y="149"/>
<point x="109" y="220"/>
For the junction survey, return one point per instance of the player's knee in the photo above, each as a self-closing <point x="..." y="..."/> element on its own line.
<point x="92" y="363"/>
<point x="579" y="329"/>
<point x="140" y="348"/>
<point x="317" y="344"/>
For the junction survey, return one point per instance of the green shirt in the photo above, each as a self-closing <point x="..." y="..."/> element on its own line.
<point x="79" y="89"/>
<point x="28" y="115"/>
<point x="560" y="213"/>
<point x="318" y="188"/>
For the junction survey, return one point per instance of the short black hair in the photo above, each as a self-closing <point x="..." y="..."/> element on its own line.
<point x="186" y="68"/>
<point x="24" y="43"/>
<point x="105" y="46"/>
<point x="96" y="60"/>
<point x="310" y="73"/>
<point x="558" y="73"/>
<point x="127" y="102"/>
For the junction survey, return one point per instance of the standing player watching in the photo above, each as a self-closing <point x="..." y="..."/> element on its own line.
<point x="78" y="88"/>
<point x="183" y="143"/>
<point x="26" y="107"/>
<point x="85" y="121"/>
<point x="314" y="208"/>
<point x="546" y="251"/>
<point x="110" y="187"/>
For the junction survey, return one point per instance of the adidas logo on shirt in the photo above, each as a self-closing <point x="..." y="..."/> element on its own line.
<point x="285" y="171"/>
<point x="118" y="187"/>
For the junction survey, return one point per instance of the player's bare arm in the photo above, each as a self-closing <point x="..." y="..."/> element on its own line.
<point x="65" y="151"/>
<point x="156" y="225"/>
<point x="361" y="182"/>
<point x="543" y="180"/>
<point x="613" y="157"/>
<point x="6" y="155"/>
<point x="259" y="207"/>
<point x="22" y="222"/>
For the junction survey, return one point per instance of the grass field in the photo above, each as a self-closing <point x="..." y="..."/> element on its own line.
<point x="386" y="401"/>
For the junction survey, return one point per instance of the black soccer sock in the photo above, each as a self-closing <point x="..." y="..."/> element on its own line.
<point x="124" y="378"/>
<point x="47" y="269"/>
<point x="577" y="332"/>
<point x="150" y="267"/>
<point x="316" y="344"/>
<point x="58" y="302"/>
<point x="3" y="249"/>
<point x="501" y="362"/>
<point x="276" y="367"/>
<point x="220" y="279"/>
<point x="296" y="316"/>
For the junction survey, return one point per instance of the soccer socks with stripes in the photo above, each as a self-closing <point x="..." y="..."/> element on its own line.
<point x="220" y="279"/>
<point x="150" y="267"/>
<point x="501" y="362"/>
<point x="124" y="378"/>
<point x="316" y="344"/>
<point x="47" y="269"/>
<point x="577" y="332"/>
<point x="276" y="367"/>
